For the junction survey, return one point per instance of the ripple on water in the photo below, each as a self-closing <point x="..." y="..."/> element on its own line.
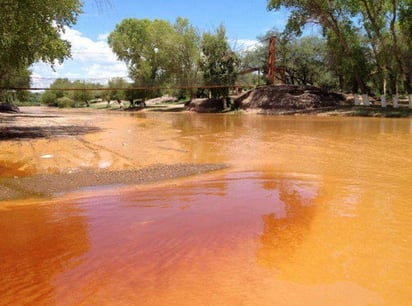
<point x="249" y="237"/>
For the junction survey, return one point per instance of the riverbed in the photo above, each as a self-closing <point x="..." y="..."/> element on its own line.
<point x="295" y="210"/>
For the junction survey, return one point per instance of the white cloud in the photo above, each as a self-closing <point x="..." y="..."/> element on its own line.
<point x="103" y="37"/>
<point x="243" y="45"/>
<point x="92" y="60"/>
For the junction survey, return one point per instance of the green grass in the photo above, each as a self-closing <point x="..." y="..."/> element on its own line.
<point x="377" y="111"/>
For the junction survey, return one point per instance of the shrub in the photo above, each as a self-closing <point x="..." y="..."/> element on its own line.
<point x="66" y="102"/>
<point x="49" y="98"/>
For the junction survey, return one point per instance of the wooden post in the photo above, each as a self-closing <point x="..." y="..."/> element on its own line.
<point x="272" y="60"/>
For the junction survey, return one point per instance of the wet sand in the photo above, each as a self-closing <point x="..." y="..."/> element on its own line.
<point x="46" y="167"/>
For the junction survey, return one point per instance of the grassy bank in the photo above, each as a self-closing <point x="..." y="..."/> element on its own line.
<point x="372" y="111"/>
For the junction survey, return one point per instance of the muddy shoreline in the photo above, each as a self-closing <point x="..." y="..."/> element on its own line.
<point x="41" y="185"/>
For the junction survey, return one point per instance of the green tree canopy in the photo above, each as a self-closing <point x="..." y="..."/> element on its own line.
<point x="185" y="65"/>
<point x="30" y="31"/>
<point x="368" y="41"/>
<point x="145" y="46"/>
<point x="117" y="93"/>
<point x="159" y="53"/>
<point x="218" y="62"/>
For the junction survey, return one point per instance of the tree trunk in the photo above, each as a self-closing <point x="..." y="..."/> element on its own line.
<point x="365" y="100"/>
<point x="395" y="100"/>
<point x="356" y="99"/>
<point x="383" y="96"/>
<point x="410" y="101"/>
<point x="383" y="100"/>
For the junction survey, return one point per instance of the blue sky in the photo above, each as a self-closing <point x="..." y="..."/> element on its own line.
<point x="93" y="60"/>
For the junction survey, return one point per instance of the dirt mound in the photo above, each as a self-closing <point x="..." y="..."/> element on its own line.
<point x="205" y="105"/>
<point x="288" y="97"/>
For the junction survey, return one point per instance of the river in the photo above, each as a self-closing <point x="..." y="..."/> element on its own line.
<point x="310" y="211"/>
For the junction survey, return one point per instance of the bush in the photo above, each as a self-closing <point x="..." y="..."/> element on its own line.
<point x="49" y="98"/>
<point x="66" y="102"/>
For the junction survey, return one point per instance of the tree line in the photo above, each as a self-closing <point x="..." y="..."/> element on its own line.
<point x="364" y="47"/>
<point x="158" y="53"/>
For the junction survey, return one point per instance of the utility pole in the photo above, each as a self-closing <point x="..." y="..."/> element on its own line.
<point x="272" y="60"/>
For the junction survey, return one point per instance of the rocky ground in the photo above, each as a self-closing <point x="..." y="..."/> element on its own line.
<point x="49" y="184"/>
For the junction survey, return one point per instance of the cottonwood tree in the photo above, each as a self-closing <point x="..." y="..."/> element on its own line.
<point x="186" y="50"/>
<point x="117" y="92"/>
<point x="145" y="46"/>
<point x="405" y="25"/>
<point x="157" y="53"/>
<point x="218" y="62"/>
<point x="305" y="62"/>
<point x="368" y="40"/>
<point x="58" y="86"/>
<point x="334" y="18"/>
<point x="303" y="59"/>
<point x="30" y="32"/>
<point x="20" y="78"/>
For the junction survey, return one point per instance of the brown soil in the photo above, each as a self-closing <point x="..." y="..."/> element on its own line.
<point x="205" y="105"/>
<point x="288" y="97"/>
<point x="277" y="99"/>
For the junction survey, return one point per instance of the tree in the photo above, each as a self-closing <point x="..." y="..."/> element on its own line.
<point x="116" y="93"/>
<point x="405" y="24"/>
<point x="334" y="18"/>
<point x="145" y="47"/>
<point x="185" y="47"/>
<point x="156" y="52"/>
<point x="81" y="92"/>
<point x="30" y="31"/>
<point x="19" y="79"/>
<point x="58" y="85"/>
<point x="218" y="62"/>
<point x="368" y="41"/>
<point x="303" y="59"/>
<point x="49" y="98"/>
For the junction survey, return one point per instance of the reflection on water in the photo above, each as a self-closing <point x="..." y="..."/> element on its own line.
<point x="285" y="231"/>
<point x="253" y="238"/>
<point x="37" y="243"/>
<point x="11" y="169"/>
<point x="313" y="211"/>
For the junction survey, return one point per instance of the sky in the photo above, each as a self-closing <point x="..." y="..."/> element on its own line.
<point x="93" y="61"/>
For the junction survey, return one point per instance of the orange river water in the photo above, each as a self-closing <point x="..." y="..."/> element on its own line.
<point x="310" y="211"/>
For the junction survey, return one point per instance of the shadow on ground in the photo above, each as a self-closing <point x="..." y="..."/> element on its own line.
<point x="14" y="117"/>
<point x="168" y="110"/>
<point x="30" y="132"/>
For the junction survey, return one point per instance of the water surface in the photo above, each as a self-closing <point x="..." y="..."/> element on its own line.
<point x="312" y="211"/>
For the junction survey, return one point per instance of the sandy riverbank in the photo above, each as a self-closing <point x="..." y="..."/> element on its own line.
<point x="49" y="184"/>
<point x="45" y="151"/>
